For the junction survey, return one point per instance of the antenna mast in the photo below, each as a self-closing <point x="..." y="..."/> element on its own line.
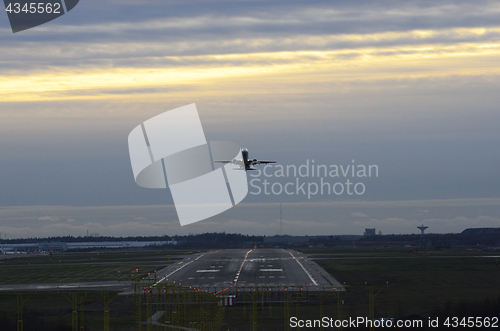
<point x="281" y="220"/>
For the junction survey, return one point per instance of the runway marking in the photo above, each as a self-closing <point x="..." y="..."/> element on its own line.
<point x="282" y="276"/>
<point x="308" y="274"/>
<point x="161" y="280"/>
<point x="191" y="278"/>
<point x="263" y="260"/>
<point x="270" y="270"/>
<point x="262" y="276"/>
<point x="271" y="277"/>
<point x="239" y="271"/>
<point x="210" y="270"/>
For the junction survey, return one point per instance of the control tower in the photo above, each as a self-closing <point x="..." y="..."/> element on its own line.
<point x="422" y="228"/>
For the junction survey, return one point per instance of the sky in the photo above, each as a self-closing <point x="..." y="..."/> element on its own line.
<point x="409" y="87"/>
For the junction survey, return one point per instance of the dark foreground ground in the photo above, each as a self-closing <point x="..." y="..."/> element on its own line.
<point x="402" y="283"/>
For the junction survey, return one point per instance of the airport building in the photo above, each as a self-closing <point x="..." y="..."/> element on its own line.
<point x="58" y="246"/>
<point x="369" y="232"/>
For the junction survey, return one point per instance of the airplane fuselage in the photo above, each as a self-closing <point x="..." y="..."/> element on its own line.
<point x="246" y="161"/>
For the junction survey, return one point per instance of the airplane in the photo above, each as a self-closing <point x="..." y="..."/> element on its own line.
<point x="246" y="163"/>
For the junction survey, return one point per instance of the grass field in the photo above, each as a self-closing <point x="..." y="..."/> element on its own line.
<point x="52" y="311"/>
<point x="418" y="281"/>
<point x="79" y="267"/>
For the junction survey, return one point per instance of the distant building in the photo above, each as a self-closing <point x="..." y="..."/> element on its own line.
<point x="53" y="246"/>
<point x="118" y="244"/>
<point x="58" y="246"/>
<point x="480" y="231"/>
<point x="369" y="232"/>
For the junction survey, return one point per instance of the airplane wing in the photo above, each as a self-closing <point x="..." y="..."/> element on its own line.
<point x="262" y="162"/>
<point x="234" y="161"/>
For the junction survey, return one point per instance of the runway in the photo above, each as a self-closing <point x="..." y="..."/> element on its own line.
<point x="247" y="268"/>
<point x="215" y="271"/>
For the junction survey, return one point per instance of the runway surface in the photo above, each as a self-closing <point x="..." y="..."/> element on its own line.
<point x="217" y="270"/>
<point x="244" y="267"/>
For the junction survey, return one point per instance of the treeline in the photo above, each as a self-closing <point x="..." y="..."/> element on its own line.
<point x="213" y="237"/>
<point x="444" y="240"/>
<point x="217" y="240"/>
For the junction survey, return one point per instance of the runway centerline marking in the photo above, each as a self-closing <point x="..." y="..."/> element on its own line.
<point x="270" y="269"/>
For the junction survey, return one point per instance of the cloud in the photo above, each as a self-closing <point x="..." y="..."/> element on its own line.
<point x="301" y="218"/>
<point x="380" y="80"/>
<point x="48" y="218"/>
<point x="188" y="19"/>
<point x="358" y="214"/>
<point x="223" y="34"/>
<point x="70" y="220"/>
